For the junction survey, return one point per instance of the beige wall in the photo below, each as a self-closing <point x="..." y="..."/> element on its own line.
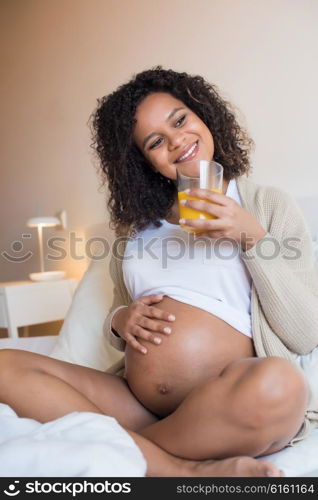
<point x="60" y="55"/>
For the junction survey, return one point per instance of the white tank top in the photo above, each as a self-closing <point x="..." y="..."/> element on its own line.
<point x="206" y="274"/>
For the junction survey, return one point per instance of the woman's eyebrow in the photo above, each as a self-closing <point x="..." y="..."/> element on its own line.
<point x="173" y="112"/>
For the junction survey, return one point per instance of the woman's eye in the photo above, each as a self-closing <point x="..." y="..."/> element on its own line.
<point x="180" y="120"/>
<point x="154" y="144"/>
<point x="178" y="123"/>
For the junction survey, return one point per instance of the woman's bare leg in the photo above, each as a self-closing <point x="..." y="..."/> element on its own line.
<point x="43" y="388"/>
<point x="162" y="464"/>
<point x="254" y="408"/>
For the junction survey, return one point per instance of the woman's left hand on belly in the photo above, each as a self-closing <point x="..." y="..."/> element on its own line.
<point x="232" y="221"/>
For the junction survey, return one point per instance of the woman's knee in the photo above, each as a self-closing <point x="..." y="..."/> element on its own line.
<point x="267" y="390"/>
<point x="13" y="361"/>
<point x="8" y="367"/>
<point x="8" y="358"/>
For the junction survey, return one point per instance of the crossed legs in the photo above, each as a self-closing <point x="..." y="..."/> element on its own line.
<point x="253" y="408"/>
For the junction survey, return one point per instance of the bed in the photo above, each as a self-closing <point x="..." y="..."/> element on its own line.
<point x="91" y="445"/>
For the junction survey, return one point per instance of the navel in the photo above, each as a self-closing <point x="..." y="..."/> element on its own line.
<point x="164" y="388"/>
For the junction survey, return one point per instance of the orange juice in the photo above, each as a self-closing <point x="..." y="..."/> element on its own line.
<point x="190" y="213"/>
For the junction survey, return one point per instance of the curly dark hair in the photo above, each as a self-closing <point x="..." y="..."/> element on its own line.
<point x="137" y="195"/>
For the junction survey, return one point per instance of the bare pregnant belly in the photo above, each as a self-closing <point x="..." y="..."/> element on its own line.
<point x="199" y="347"/>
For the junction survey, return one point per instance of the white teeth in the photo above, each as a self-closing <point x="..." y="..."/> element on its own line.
<point x="187" y="153"/>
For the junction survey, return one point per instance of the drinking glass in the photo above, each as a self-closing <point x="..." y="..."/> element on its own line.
<point x="197" y="174"/>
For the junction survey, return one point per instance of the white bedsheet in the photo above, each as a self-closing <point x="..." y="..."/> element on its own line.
<point x="92" y="445"/>
<point x="77" y="445"/>
<point x="41" y="344"/>
<point x="299" y="460"/>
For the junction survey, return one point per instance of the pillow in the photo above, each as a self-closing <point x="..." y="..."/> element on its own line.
<point x="309" y="208"/>
<point x="81" y="340"/>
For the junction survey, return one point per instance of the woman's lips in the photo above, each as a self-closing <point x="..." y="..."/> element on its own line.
<point x="191" y="155"/>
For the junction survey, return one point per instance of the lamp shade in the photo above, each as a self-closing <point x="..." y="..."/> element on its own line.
<point x="43" y="222"/>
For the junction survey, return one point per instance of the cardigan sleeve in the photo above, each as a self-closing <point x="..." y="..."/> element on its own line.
<point x="121" y="300"/>
<point x="110" y="334"/>
<point x="282" y="269"/>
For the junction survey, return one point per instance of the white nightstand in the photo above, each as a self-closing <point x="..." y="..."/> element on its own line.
<point x="25" y="303"/>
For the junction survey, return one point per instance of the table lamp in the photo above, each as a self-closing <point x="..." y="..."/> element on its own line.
<point x="40" y="223"/>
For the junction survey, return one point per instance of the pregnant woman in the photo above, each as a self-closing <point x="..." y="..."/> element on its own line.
<point x="215" y="335"/>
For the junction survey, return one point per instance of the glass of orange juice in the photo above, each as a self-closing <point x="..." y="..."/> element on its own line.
<point x="197" y="174"/>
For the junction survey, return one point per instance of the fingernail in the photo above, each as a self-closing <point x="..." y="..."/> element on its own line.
<point x="183" y="202"/>
<point x="144" y="351"/>
<point x="171" y="317"/>
<point x="157" y="341"/>
<point x="167" y="330"/>
<point x="181" y="221"/>
<point x="187" y="191"/>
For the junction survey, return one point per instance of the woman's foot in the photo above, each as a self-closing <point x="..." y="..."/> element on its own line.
<point x="232" y="467"/>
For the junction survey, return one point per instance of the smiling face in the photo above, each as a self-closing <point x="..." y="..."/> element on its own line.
<point x="167" y="132"/>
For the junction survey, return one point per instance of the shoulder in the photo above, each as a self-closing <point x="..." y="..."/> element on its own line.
<point x="276" y="209"/>
<point x="268" y="197"/>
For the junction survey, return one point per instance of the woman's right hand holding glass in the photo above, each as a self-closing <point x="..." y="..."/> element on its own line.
<point x="141" y="320"/>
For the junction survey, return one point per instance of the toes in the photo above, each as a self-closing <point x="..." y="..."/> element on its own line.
<point x="269" y="470"/>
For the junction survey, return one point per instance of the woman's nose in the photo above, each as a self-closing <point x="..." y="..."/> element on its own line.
<point x="175" y="140"/>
